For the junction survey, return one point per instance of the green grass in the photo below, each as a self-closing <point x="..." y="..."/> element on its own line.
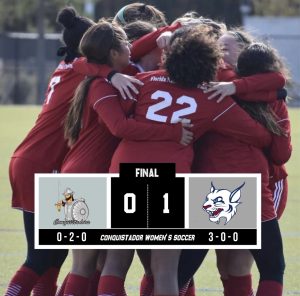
<point x="14" y="124"/>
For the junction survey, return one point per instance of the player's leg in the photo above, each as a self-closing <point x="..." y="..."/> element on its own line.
<point x="21" y="174"/>
<point x="222" y="264"/>
<point x="36" y="263"/>
<point x="191" y="289"/>
<point x="94" y="279"/>
<point x="147" y="283"/>
<point x="270" y="260"/>
<point x="83" y="266"/>
<point x="164" y="265"/>
<point x="114" y="272"/>
<point x="189" y="262"/>
<point x="239" y="280"/>
<point x="46" y="285"/>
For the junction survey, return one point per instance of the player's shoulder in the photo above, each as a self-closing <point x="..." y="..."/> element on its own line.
<point x="66" y="73"/>
<point x="63" y="67"/>
<point x="102" y="86"/>
<point x="153" y="76"/>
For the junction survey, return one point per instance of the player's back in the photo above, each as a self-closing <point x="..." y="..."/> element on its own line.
<point x="92" y="151"/>
<point x="46" y="138"/>
<point x="161" y="101"/>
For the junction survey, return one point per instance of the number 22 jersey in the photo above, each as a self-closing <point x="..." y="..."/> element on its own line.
<point x="161" y="101"/>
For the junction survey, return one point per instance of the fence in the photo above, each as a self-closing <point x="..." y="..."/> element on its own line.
<point x="19" y="69"/>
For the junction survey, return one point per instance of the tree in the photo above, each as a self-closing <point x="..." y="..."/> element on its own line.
<point x="276" y="7"/>
<point x="223" y="10"/>
<point x="21" y="16"/>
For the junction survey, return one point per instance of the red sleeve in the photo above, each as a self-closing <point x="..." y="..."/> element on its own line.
<point x="260" y="96"/>
<point x="226" y="73"/>
<point x="231" y="120"/>
<point x="110" y="112"/>
<point x="81" y="66"/>
<point x="147" y="43"/>
<point x="281" y="147"/>
<point x="258" y="82"/>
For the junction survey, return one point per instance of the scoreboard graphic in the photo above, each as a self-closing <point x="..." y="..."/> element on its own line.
<point x="147" y="206"/>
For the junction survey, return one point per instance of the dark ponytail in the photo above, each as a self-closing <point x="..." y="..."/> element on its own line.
<point x="73" y="123"/>
<point x="260" y="58"/>
<point x="264" y="114"/>
<point x="74" y="28"/>
<point x="95" y="45"/>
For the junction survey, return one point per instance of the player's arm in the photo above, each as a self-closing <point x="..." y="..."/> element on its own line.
<point x="111" y="113"/>
<point x="125" y="84"/>
<point x="231" y="120"/>
<point x="264" y="96"/>
<point x="259" y="82"/>
<point x="82" y="66"/>
<point x="281" y="147"/>
<point x="251" y="88"/>
<point x="146" y="43"/>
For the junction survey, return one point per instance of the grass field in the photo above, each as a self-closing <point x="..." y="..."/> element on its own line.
<point x="14" y="124"/>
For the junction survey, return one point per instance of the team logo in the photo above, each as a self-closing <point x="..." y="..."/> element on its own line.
<point x="222" y="203"/>
<point x="76" y="211"/>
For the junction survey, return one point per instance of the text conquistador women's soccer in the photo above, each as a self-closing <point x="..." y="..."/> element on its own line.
<point x="122" y="237"/>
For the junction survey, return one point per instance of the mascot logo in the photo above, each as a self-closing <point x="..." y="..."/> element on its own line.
<point x="75" y="210"/>
<point x="222" y="203"/>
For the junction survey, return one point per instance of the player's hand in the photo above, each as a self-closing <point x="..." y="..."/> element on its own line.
<point x="187" y="136"/>
<point x="219" y="90"/>
<point x="125" y="85"/>
<point x="163" y="40"/>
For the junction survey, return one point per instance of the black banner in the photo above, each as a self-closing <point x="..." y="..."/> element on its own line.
<point x="204" y="237"/>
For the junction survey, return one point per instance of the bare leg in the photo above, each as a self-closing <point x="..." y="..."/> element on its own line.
<point x="164" y="264"/>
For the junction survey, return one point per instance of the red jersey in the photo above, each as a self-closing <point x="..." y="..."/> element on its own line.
<point x="45" y="145"/>
<point x="258" y="87"/>
<point x="103" y="121"/>
<point x="162" y="101"/>
<point x="140" y="48"/>
<point x="147" y="43"/>
<point x="232" y="156"/>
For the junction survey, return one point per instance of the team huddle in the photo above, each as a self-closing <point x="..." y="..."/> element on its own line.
<point x="193" y="93"/>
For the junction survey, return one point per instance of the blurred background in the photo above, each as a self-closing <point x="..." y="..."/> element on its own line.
<point x="29" y="35"/>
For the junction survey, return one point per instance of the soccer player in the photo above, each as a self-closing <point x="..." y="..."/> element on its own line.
<point x="42" y="151"/>
<point x="235" y="265"/>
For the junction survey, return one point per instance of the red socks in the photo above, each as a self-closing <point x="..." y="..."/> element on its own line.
<point x="46" y="285"/>
<point x="22" y="282"/>
<point x="191" y="291"/>
<point x="76" y="285"/>
<point x="61" y="289"/>
<point x="183" y="290"/>
<point x="147" y="285"/>
<point x="111" y="285"/>
<point x="239" y="286"/>
<point x="269" y="288"/>
<point x="225" y="286"/>
<point x="93" y="285"/>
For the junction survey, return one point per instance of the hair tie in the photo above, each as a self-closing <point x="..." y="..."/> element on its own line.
<point x="61" y="51"/>
<point x="120" y="15"/>
<point x="239" y="37"/>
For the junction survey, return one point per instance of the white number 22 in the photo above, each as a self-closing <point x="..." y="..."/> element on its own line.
<point x="167" y="101"/>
